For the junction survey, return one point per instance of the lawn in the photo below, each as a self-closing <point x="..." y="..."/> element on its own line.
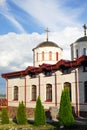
<point x="48" y="126"/>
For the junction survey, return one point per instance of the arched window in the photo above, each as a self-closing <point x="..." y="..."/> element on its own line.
<point x="84" y="51"/>
<point x="68" y="85"/>
<point x="15" y="92"/>
<point x="48" y="92"/>
<point x="34" y="92"/>
<point x="42" y="55"/>
<point x="37" y="56"/>
<point x="76" y="53"/>
<point x="50" y="55"/>
<point x="56" y="56"/>
<point x="85" y="91"/>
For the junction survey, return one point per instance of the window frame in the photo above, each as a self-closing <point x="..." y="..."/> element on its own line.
<point x="77" y="53"/>
<point x="57" y="56"/>
<point x="42" y="55"/>
<point x="68" y="85"/>
<point x="15" y="93"/>
<point x="34" y="93"/>
<point x="85" y="91"/>
<point x="84" y="51"/>
<point x="49" y="92"/>
<point x="50" y="55"/>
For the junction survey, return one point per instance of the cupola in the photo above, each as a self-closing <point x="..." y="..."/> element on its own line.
<point x="46" y="52"/>
<point x="79" y="47"/>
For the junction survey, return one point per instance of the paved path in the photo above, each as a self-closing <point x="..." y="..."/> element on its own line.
<point x="81" y="121"/>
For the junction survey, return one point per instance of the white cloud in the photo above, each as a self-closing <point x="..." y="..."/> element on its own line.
<point x="51" y="13"/>
<point x="2" y="2"/>
<point x="6" y="57"/>
<point x="16" y="49"/>
<point x="6" y="12"/>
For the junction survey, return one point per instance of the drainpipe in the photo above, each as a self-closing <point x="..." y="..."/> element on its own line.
<point x="25" y="90"/>
<point x="76" y="82"/>
<point x="39" y="85"/>
<point x="7" y="91"/>
<point x="55" y="90"/>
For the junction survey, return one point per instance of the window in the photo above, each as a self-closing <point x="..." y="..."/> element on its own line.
<point x="84" y="51"/>
<point x="33" y="75"/>
<point x="48" y="73"/>
<point x="85" y="68"/>
<point x="48" y="92"/>
<point x="37" y="56"/>
<point x="85" y="91"/>
<point x="42" y="55"/>
<point x="15" y="93"/>
<point x="68" y="85"/>
<point x="66" y="70"/>
<point x="56" y="56"/>
<point x="76" y="53"/>
<point x="50" y="55"/>
<point x="34" y="92"/>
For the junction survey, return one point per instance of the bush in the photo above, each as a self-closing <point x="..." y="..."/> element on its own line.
<point x="4" y="116"/>
<point x="65" y="112"/>
<point x="39" y="114"/>
<point x="21" y="114"/>
<point x="43" y="116"/>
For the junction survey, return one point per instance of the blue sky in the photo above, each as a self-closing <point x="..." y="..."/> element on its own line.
<point x="22" y="25"/>
<point x="29" y="16"/>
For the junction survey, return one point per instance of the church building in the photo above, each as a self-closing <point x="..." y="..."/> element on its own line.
<point x="47" y="78"/>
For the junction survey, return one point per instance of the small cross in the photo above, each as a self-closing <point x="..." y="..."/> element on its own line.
<point x="47" y="33"/>
<point x="85" y="27"/>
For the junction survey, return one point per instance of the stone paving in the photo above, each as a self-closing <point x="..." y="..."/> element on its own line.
<point x="81" y="121"/>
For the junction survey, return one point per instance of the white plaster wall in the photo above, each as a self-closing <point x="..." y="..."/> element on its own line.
<point x="82" y="78"/>
<point x="30" y="82"/>
<point x="60" y="80"/>
<point x="15" y="82"/>
<point x="79" y="46"/>
<point x="43" y="81"/>
<point x="46" y="55"/>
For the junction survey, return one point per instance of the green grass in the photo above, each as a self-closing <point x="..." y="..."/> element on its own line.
<point x="48" y="126"/>
<point x="28" y="125"/>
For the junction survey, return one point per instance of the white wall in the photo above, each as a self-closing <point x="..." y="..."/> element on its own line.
<point x="79" y="46"/>
<point x="46" y="51"/>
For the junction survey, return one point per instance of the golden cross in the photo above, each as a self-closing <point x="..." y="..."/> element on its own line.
<point x="47" y="33"/>
<point x="85" y="27"/>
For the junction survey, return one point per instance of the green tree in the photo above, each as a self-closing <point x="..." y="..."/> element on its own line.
<point x="65" y="112"/>
<point x="44" y="116"/>
<point x="39" y="114"/>
<point x="4" y="116"/>
<point x="21" y="114"/>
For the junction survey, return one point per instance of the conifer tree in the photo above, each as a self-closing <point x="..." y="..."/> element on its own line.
<point x="39" y="114"/>
<point x="65" y="112"/>
<point x="21" y="114"/>
<point x="4" y="116"/>
<point x="44" y="116"/>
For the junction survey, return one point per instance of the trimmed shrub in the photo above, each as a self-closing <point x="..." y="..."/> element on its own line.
<point x="44" y="116"/>
<point x="21" y="114"/>
<point x="39" y="114"/>
<point x="65" y="111"/>
<point x="4" y="116"/>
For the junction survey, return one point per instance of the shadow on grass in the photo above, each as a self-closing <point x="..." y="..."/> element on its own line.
<point x="73" y="127"/>
<point x="55" y="126"/>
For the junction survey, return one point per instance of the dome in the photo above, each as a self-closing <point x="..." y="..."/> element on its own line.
<point x="47" y="44"/>
<point x="82" y="39"/>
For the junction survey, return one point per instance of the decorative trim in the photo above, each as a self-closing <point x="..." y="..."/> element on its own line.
<point x="37" y="70"/>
